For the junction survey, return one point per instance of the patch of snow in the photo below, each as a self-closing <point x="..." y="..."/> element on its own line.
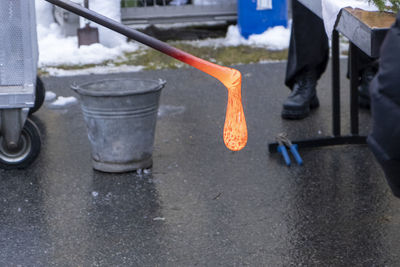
<point x="112" y="10"/>
<point x="147" y="171"/>
<point x="95" y="194"/>
<point x="165" y="110"/>
<point x="50" y="54"/>
<point x="62" y="101"/>
<point x="159" y="219"/>
<point x="56" y="49"/>
<point x="95" y="70"/>
<point x="276" y="38"/>
<point x="50" y="96"/>
<point x="44" y="14"/>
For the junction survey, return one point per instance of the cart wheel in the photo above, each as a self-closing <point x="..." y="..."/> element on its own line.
<point x="40" y="95"/>
<point x="27" y="151"/>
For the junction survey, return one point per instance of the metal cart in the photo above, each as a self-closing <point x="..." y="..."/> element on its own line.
<point x="21" y="91"/>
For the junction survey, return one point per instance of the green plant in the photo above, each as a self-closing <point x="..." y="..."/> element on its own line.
<point x="381" y="4"/>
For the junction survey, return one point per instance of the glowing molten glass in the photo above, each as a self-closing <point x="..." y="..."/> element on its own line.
<point x="235" y="128"/>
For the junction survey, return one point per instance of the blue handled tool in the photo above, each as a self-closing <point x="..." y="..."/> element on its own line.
<point x="282" y="149"/>
<point x="295" y="153"/>
<point x="284" y="142"/>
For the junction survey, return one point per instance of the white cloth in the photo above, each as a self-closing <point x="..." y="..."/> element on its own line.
<point x="331" y="9"/>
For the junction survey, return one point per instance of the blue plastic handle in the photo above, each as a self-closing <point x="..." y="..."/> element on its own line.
<point x="296" y="155"/>
<point x="282" y="149"/>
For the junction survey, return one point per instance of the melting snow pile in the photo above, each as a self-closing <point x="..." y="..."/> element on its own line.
<point x="50" y="96"/>
<point x="62" y="101"/>
<point x="276" y="38"/>
<point x="56" y="49"/>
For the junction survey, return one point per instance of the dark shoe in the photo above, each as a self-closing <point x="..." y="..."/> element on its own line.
<point x="363" y="90"/>
<point x="303" y="97"/>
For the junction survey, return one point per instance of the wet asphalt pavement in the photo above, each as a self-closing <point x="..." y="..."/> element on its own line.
<point x="201" y="205"/>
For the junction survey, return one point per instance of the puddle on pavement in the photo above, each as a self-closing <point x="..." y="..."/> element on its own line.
<point x="168" y="110"/>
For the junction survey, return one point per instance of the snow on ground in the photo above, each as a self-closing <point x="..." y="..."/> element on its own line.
<point x="111" y="9"/>
<point x="276" y="38"/>
<point x="95" y="70"/>
<point x="57" y="50"/>
<point x="50" y="96"/>
<point x="62" y="101"/>
<point x="59" y="102"/>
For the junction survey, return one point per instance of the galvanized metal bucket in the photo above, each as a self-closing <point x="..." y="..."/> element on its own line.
<point x="121" y="116"/>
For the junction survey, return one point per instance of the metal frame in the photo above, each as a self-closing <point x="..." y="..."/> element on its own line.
<point x="17" y="95"/>
<point x="368" y="40"/>
<point x="178" y="14"/>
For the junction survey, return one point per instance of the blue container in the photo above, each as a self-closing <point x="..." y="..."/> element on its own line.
<point x="256" y="16"/>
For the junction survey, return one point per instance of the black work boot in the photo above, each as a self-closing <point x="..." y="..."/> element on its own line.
<point x="363" y="90"/>
<point x="303" y="97"/>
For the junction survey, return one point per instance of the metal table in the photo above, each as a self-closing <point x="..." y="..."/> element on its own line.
<point x="365" y="30"/>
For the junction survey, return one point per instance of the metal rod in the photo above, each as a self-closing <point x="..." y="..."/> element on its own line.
<point x="113" y="25"/>
<point x="354" y="81"/>
<point x="323" y="142"/>
<point x="335" y="84"/>
<point x="178" y="54"/>
<point x="235" y="129"/>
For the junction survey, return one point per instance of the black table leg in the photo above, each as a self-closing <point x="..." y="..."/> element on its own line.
<point x="335" y="84"/>
<point x="354" y="82"/>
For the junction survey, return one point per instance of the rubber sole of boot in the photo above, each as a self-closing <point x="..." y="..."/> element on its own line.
<point x="298" y="114"/>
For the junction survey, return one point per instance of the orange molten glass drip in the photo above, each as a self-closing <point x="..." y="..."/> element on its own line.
<point x="235" y="128"/>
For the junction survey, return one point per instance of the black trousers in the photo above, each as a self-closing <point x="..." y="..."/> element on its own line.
<point x="309" y="45"/>
<point x="384" y="139"/>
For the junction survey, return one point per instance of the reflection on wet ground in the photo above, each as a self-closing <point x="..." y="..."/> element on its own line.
<point x="201" y="205"/>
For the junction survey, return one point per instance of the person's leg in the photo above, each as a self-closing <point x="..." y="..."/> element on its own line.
<point x="367" y="69"/>
<point x="307" y="60"/>
<point x="309" y="46"/>
<point x="384" y="139"/>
